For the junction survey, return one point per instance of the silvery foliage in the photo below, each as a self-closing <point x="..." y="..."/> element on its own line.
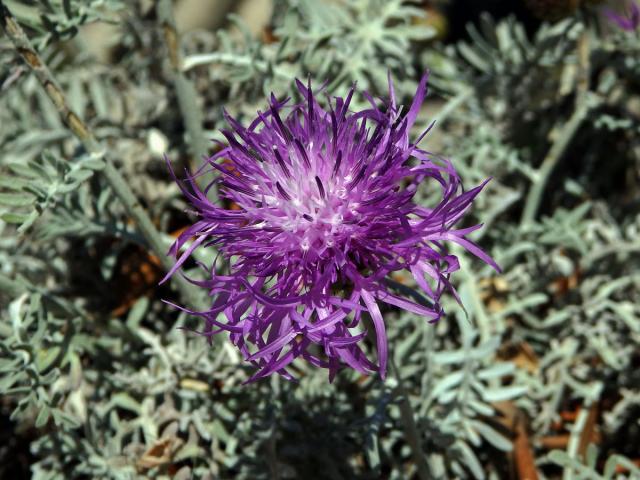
<point x="102" y="391"/>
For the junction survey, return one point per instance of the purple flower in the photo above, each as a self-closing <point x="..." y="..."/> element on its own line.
<point x="323" y="215"/>
<point x="628" y="22"/>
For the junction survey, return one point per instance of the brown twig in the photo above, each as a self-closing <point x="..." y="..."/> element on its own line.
<point x="589" y="433"/>
<point x="523" y="454"/>
<point x="522" y="460"/>
<point x="553" y="442"/>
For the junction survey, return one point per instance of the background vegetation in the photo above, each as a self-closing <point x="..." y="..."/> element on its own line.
<point x="540" y="379"/>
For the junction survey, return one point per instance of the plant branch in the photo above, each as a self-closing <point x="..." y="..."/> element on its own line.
<point x="452" y="105"/>
<point x="584" y="103"/>
<point x="411" y="432"/>
<point x="11" y="287"/>
<point x="186" y="93"/>
<point x="575" y="439"/>
<point x="556" y="152"/>
<point x="148" y="230"/>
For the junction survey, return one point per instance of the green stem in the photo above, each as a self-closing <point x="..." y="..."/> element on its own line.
<point x="622" y="248"/>
<point x="411" y="431"/>
<point x="452" y="105"/>
<point x="584" y="103"/>
<point x="578" y="427"/>
<point x="559" y="384"/>
<point x="186" y="93"/>
<point x="10" y="287"/>
<point x="556" y="152"/>
<point x="133" y="207"/>
<point x="225" y="58"/>
<point x="271" y="444"/>
<point x="428" y="338"/>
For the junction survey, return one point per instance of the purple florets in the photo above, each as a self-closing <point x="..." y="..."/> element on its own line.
<point x="628" y="22"/>
<point x="322" y="215"/>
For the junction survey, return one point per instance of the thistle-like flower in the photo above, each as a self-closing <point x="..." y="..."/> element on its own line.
<point x="323" y="213"/>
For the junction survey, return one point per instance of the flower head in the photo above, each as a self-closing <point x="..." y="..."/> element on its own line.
<point x="323" y="215"/>
<point x="628" y="22"/>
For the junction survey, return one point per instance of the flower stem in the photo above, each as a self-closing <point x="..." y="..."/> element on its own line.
<point x="133" y="207"/>
<point x="411" y="431"/>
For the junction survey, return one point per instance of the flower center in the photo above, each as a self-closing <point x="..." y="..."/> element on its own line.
<point x="320" y="213"/>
